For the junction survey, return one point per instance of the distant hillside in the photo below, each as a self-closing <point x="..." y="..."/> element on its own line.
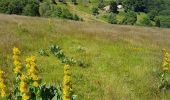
<point x="133" y="12"/>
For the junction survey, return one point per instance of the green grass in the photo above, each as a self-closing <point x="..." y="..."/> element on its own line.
<point x="123" y="61"/>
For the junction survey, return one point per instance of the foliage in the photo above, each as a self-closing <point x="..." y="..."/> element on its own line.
<point x="57" y="51"/>
<point x="113" y="7"/>
<point x="112" y="18"/>
<point x="164" y="21"/>
<point x="146" y="21"/>
<point x="157" y="22"/>
<point x="130" y="18"/>
<point x="28" y="85"/>
<point x="101" y="4"/>
<point x="164" y="81"/>
<point x="4" y="6"/>
<point x="95" y="11"/>
<point x="143" y="5"/>
<point x="16" y="7"/>
<point x="26" y="7"/>
<point x="31" y="9"/>
<point x="66" y="14"/>
<point x="152" y="14"/>
<point x="74" y="2"/>
<point x="49" y="10"/>
<point x="76" y="17"/>
<point x="45" y="9"/>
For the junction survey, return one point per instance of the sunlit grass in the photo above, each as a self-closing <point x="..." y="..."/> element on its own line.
<point x="123" y="61"/>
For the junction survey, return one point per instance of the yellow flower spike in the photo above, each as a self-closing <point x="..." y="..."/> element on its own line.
<point x="66" y="83"/>
<point x="3" y="87"/>
<point x="32" y="70"/>
<point x="16" y="60"/>
<point x="23" y="86"/>
<point x="166" y="59"/>
<point x="35" y="84"/>
<point x="25" y="96"/>
<point x="16" y="51"/>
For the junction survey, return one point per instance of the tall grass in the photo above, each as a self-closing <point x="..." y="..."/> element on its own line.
<point x="123" y="60"/>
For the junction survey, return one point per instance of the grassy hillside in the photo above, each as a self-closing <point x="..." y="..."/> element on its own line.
<point x="123" y="61"/>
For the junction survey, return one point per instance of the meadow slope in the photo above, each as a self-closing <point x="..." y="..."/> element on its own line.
<point x="123" y="62"/>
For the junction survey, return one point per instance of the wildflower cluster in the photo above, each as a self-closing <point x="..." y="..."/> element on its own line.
<point x="24" y="88"/>
<point x="17" y="62"/>
<point x="32" y="70"/>
<point x="28" y="86"/>
<point x="66" y="83"/>
<point x="3" y="87"/>
<point x="164" y="80"/>
<point x="165" y="65"/>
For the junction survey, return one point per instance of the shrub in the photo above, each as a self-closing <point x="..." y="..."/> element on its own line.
<point x="58" y="11"/>
<point x="152" y="14"/>
<point x="100" y="4"/>
<point x="16" y="6"/>
<point x="130" y="18"/>
<point x="4" y="6"/>
<point x="95" y="11"/>
<point x="26" y="7"/>
<point x="112" y="18"/>
<point x="146" y="21"/>
<point x="113" y="7"/>
<point x="165" y="12"/>
<point x="66" y="14"/>
<point x="74" y="2"/>
<point x="31" y="9"/>
<point x="76" y="17"/>
<point x="45" y="9"/>
<point x="157" y="22"/>
<point x="165" y="21"/>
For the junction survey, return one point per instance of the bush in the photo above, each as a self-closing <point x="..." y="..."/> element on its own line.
<point x="165" y="12"/>
<point x="100" y="4"/>
<point x="113" y="7"/>
<point x="66" y="14"/>
<point x="57" y="12"/>
<point x="26" y="7"/>
<point x="16" y="7"/>
<point x="112" y="18"/>
<point x="152" y="14"/>
<point x="31" y="9"/>
<point x="74" y="2"/>
<point x="146" y="21"/>
<point x="76" y="17"/>
<point x="157" y="22"/>
<point x="165" y="21"/>
<point x="45" y="9"/>
<point x="95" y="11"/>
<point x="130" y="18"/>
<point x="4" y="6"/>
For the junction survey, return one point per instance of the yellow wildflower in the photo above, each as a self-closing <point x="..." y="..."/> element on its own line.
<point x="35" y="84"/>
<point x="25" y="96"/>
<point x="32" y="70"/>
<point x="165" y="65"/>
<point x="24" y="88"/>
<point x="66" y="83"/>
<point x="16" y="60"/>
<point x="16" y="51"/>
<point x="23" y="85"/>
<point x="3" y="87"/>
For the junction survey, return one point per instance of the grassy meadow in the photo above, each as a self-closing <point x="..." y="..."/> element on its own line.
<point x="123" y="62"/>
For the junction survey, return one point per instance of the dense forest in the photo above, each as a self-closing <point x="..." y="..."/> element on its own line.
<point x="133" y="12"/>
